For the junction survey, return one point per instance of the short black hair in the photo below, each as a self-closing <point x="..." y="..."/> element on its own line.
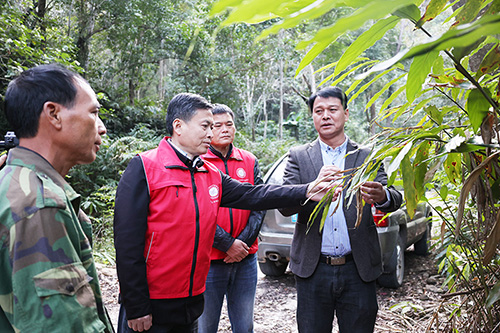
<point x="27" y="93"/>
<point x="184" y="106"/>
<point x="222" y="108"/>
<point x="328" y="92"/>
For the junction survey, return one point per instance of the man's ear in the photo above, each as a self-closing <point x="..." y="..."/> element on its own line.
<point x="52" y="112"/>
<point x="177" y="126"/>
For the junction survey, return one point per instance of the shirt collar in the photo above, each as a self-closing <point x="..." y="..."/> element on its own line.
<point x="340" y="149"/>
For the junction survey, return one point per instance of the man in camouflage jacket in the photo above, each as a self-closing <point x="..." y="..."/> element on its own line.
<point x="48" y="280"/>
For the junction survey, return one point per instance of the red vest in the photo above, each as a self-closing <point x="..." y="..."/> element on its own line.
<point x="240" y="166"/>
<point x="181" y="223"/>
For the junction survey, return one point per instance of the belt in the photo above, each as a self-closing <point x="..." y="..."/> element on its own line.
<point x="335" y="261"/>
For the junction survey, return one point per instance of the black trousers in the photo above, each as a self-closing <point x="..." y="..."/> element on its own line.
<point x="336" y="290"/>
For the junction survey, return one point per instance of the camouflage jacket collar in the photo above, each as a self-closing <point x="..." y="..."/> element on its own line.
<point x="24" y="157"/>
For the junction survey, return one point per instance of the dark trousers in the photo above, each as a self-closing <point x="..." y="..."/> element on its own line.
<point x="336" y="290"/>
<point x="123" y="326"/>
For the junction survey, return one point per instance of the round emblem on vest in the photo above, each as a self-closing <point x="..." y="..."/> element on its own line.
<point x="213" y="191"/>
<point x="241" y="173"/>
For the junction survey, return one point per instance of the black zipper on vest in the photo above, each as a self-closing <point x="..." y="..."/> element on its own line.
<point x="230" y="209"/>
<point x="197" y="235"/>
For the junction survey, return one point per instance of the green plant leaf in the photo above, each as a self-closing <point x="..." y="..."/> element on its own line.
<point x="490" y="63"/>
<point x="222" y="5"/>
<point x="453" y="167"/>
<point x="410" y="12"/>
<point x="493" y="295"/>
<point x="363" y="42"/>
<point x="343" y="76"/>
<point x="435" y="114"/>
<point x="477" y="108"/>
<point x="419" y="69"/>
<point x="420" y="166"/>
<point x="468" y="12"/>
<point x="325" y="36"/>
<point x="434" y="8"/>
<point x="309" y="12"/>
<point x="396" y="161"/>
<point x="411" y="194"/>
<point x="461" y="36"/>
<point x="252" y="12"/>
<point x="381" y="91"/>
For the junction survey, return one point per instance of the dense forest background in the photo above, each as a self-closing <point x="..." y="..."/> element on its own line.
<point x="422" y="79"/>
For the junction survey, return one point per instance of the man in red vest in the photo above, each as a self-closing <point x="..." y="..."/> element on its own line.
<point x="233" y="267"/>
<point x="166" y="209"/>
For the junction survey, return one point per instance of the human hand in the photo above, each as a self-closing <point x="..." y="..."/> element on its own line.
<point x="328" y="177"/>
<point x="3" y="158"/>
<point x="237" y="252"/>
<point x="373" y="192"/>
<point x="141" y="324"/>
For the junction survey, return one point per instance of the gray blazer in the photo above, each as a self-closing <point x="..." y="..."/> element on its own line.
<point x="304" y="164"/>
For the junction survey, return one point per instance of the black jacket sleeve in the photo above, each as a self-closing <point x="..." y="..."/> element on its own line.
<point x="130" y="224"/>
<point x="263" y="197"/>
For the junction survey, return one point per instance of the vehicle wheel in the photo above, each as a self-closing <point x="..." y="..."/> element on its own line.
<point x="422" y="246"/>
<point x="273" y="268"/>
<point x="394" y="279"/>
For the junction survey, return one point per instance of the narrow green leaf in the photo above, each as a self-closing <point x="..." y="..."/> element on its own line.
<point x="308" y="12"/>
<point x="434" y="8"/>
<point x="419" y="69"/>
<point x="411" y="195"/>
<point x="461" y="36"/>
<point x="420" y="166"/>
<point x="355" y="68"/>
<point x="363" y="42"/>
<point x="381" y="91"/>
<point x="494" y="295"/>
<point x="396" y="161"/>
<point x="374" y="10"/>
<point x="311" y="55"/>
<point x="453" y="168"/>
<point x="222" y="5"/>
<point x="435" y="114"/>
<point x="477" y="108"/>
<point x="490" y="63"/>
<point x="438" y="66"/>
<point x="410" y="12"/>
<point x="252" y="12"/>
<point x="468" y="12"/>
<point x="367" y="85"/>
<point x="391" y="98"/>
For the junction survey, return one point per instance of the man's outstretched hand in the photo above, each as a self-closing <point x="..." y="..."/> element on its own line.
<point x="328" y="177"/>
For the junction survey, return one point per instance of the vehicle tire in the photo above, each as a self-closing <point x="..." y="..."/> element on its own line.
<point x="273" y="268"/>
<point x="394" y="279"/>
<point x="422" y="246"/>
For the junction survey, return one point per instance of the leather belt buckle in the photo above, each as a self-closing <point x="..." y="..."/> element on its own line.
<point x="335" y="261"/>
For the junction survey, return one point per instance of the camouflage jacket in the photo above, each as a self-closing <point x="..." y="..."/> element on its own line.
<point x="48" y="280"/>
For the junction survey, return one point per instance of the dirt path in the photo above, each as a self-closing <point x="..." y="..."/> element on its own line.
<point x="407" y="309"/>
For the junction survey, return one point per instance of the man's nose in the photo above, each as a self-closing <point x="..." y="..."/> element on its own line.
<point x="101" y="129"/>
<point x="210" y="133"/>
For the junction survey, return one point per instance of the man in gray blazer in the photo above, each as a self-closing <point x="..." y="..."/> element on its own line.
<point x="336" y="267"/>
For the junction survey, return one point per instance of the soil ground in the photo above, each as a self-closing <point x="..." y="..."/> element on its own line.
<point x="407" y="309"/>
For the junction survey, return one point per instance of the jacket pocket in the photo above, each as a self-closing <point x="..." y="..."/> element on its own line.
<point x="69" y="280"/>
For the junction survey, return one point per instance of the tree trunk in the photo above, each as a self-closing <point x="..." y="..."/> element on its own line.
<point x="280" y="120"/>
<point x="264" y="103"/>
<point x="86" y="19"/>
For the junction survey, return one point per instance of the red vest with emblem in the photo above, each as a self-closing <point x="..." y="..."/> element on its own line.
<point x="181" y="223"/>
<point x="240" y="166"/>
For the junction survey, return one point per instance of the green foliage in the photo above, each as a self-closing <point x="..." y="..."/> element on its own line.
<point x="443" y="100"/>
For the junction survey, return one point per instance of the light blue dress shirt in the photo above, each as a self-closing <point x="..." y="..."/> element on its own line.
<point x="335" y="238"/>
